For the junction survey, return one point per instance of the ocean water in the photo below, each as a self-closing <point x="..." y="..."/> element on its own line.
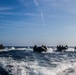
<point x="23" y="61"/>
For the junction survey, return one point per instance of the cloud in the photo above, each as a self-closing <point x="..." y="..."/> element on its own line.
<point x="68" y="6"/>
<point x="7" y="13"/>
<point x="36" y="3"/>
<point x="42" y="19"/>
<point x="19" y="14"/>
<point x="57" y="0"/>
<point x="10" y="23"/>
<point x="30" y="14"/>
<point x="55" y="16"/>
<point x="23" y="2"/>
<point x="65" y="5"/>
<point x="19" y="25"/>
<point x="71" y="27"/>
<point x="14" y="25"/>
<point x="41" y="13"/>
<point x="5" y="8"/>
<point x="26" y="3"/>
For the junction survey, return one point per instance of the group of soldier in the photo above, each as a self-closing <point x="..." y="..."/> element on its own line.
<point x="44" y="48"/>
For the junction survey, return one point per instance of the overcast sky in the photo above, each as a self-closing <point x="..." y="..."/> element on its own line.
<point x="30" y="22"/>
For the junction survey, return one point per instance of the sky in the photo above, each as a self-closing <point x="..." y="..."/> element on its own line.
<point x="30" y="22"/>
